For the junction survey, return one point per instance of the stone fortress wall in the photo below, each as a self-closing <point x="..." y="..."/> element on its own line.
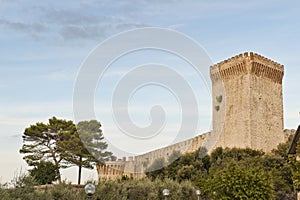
<point x="134" y="167"/>
<point x="247" y="112"/>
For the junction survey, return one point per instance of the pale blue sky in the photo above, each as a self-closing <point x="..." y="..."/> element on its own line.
<point x="43" y="44"/>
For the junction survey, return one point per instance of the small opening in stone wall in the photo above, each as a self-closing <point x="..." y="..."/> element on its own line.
<point x="219" y="98"/>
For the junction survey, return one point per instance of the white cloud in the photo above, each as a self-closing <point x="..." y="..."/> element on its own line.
<point x="30" y="113"/>
<point x="61" y="75"/>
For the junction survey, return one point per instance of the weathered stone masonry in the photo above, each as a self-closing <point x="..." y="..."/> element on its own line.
<point x="251" y="111"/>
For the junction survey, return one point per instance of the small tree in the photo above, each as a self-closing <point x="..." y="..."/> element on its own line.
<point x="186" y="172"/>
<point x="295" y="166"/>
<point x="44" y="172"/>
<point x="86" y="147"/>
<point x="44" y="142"/>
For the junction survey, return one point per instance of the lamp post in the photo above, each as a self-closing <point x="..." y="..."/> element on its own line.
<point x="89" y="190"/>
<point x="214" y="193"/>
<point x="198" y="192"/>
<point x="166" y="193"/>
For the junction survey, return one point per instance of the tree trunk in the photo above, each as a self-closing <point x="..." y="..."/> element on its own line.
<point x="58" y="175"/>
<point x="57" y="170"/>
<point x="79" y="171"/>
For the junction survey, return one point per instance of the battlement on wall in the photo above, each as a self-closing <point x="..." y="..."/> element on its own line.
<point x="185" y="146"/>
<point x="247" y="63"/>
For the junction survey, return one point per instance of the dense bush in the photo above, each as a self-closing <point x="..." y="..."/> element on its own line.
<point x="45" y="172"/>
<point x="109" y="190"/>
<point x="55" y="192"/>
<point x="234" y="173"/>
<point x="144" y="189"/>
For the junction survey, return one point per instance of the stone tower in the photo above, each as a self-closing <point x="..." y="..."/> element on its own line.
<point x="247" y="102"/>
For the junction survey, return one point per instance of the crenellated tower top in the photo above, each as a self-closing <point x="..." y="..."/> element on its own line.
<point x="247" y="63"/>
